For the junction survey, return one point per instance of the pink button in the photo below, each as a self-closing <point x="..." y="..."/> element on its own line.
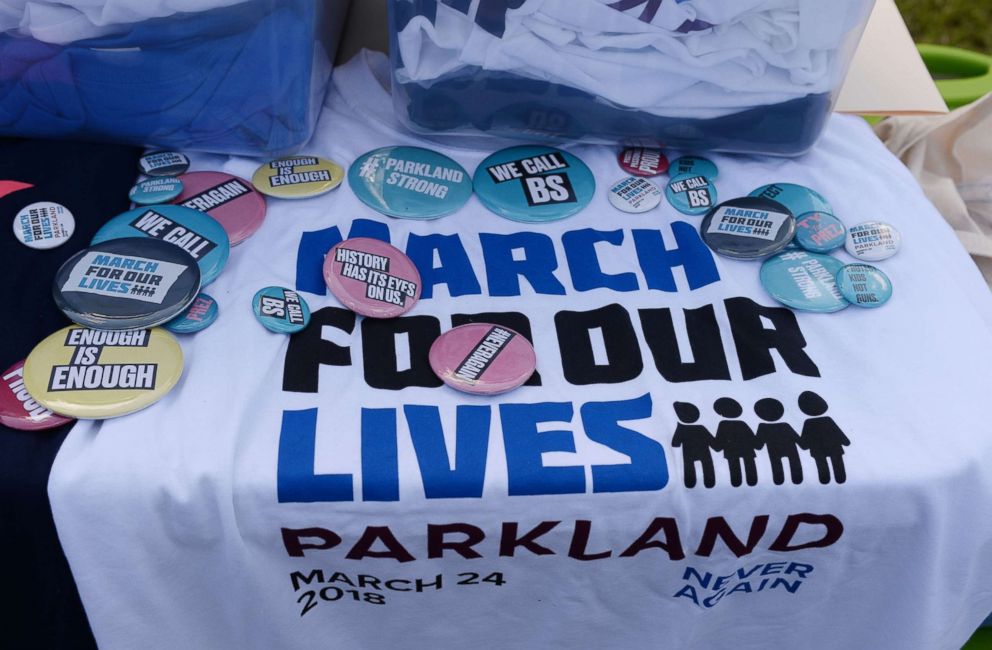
<point x="643" y="161"/>
<point x="372" y="278"/>
<point x="18" y="410"/>
<point x="232" y="201"/>
<point x="483" y="359"/>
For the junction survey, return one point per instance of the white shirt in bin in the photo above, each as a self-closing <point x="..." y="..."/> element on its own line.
<point x="741" y="55"/>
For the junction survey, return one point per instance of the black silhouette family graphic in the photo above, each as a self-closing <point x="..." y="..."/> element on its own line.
<point x="820" y="437"/>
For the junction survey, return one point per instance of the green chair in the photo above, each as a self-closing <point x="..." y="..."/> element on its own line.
<point x="962" y="76"/>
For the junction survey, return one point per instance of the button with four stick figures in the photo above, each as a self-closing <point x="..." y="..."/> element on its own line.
<point x="634" y="194"/>
<point x="124" y="284"/>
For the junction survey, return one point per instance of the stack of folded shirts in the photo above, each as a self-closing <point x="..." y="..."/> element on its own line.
<point x="694" y="58"/>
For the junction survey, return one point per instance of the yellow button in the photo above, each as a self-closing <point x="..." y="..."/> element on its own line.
<point x="96" y="374"/>
<point x="297" y="177"/>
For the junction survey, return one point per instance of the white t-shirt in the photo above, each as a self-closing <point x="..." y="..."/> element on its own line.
<point x="61" y="22"/>
<point x="293" y="492"/>
<point x="755" y="53"/>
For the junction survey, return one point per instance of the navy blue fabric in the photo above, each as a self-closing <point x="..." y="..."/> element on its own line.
<point x="231" y="79"/>
<point x="505" y="104"/>
<point x="41" y="606"/>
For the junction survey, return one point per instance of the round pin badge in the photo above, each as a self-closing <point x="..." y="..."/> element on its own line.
<point x="96" y="374"/>
<point x="232" y="201"/>
<point x="125" y="284"/>
<point x="634" y="194"/>
<point x="804" y="281"/>
<point x="163" y="163"/>
<point x="44" y="225"/>
<point x="695" y="166"/>
<point x="748" y="228"/>
<point x="691" y="194"/>
<point x="152" y="191"/>
<point x="18" y="410"/>
<point x="643" y="161"/>
<point x="797" y="198"/>
<point x="297" y="177"/>
<point x="410" y="182"/>
<point x="191" y="230"/>
<point x="372" y="278"/>
<point x="281" y="310"/>
<point x="483" y="359"/>
<point x="820" y="232"/>
<point x="864" y="285"/>
<point x="534" y="184"/>
<point x="873" y="241"/>
<point x="200" y="315"/>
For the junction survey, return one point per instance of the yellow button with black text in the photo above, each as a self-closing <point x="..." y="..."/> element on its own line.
<point x="95" y="374"/>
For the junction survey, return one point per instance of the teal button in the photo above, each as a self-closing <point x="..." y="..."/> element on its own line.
<point x="804" y="281"/>
<point x="864" y="285"/>
<point x="534" y="184"/>
<point x="156" y="190"/>
<point x="692" y="194"/>
<point x="693" y="165"/>
<point x="200" y="315"/>
<point x="281" y="310"/>
<point x="799" y="199"/>
<point x="195" y="232"/>
<point x="820" y="232"/>
<point x="410" y="182"/>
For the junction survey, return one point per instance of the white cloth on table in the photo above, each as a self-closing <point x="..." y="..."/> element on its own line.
<point x="171" y="518"/>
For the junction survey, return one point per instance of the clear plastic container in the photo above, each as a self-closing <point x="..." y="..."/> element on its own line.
<point x="748" y="76"/>
<point x="225" y="76"/>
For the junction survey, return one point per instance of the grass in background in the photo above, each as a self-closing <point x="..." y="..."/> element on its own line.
<point x="981" y="641"/>
<point x="961" y="23"/>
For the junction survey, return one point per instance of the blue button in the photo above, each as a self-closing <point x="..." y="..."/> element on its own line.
<point x="804" y="281"/>
<point x="864" y="285"/>
<point x="748" y="228"/>
<point x="820" y="232"/>
<point x="281" y="310"/>
<point x="797" y="198"/>
<point x="692" y="194"/>
<point x="156" y="190"/>
<point x="200" y="315"/>
<point x="534" y="184"/>
<point x="195" y="232"/>
<point x="693" y="165"/>
<point x="410" y="182"/>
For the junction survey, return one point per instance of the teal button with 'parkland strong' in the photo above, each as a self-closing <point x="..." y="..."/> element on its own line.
<point x="410" y="182"/>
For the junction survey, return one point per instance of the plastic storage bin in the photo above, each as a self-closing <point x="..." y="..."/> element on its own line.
<point x="751" y="76"/>
<point x="226" y="76"/>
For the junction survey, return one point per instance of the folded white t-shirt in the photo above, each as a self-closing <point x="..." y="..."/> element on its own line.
<point x="57" y="22"/>
<point x="756" y="53"/>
